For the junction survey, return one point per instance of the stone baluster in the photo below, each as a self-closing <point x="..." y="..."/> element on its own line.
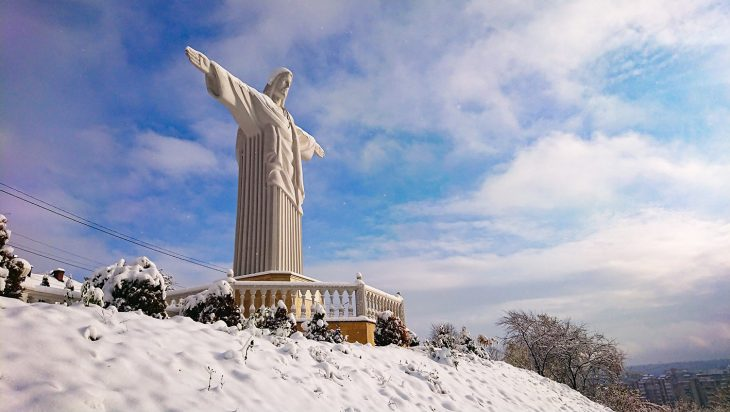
<point x="290" y="299"/>
<point x="401" y="308"/>
<point x="300" y="305"/>
<point x="360" y="296"/>
<point x="351" y="303"/>
<point x="340" y="303"/>
<point x="370" y="302"/>
<point x="347" y="295"/>
<point x="308" y="296"/>
<point x="331" y="303"/>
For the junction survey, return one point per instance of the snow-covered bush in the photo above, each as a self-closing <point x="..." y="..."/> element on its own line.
<point x="413" y="338"/>
<point x="443" y="335"/>
<point x="390" y="330"/>
<point x="214" y="304"/>
<point x="279" y="322"/>
<point x="260" y="317"/>
<point x="139" y="286"/>
<point x="446" y="344"/>
<point x="69" y="284"/>
<point x="316" y="328"/>
<point x="467" y="344"/>
<point x="91" y="295"/>
<point x="45" y="281"/>
<point x="17" y="270"/>
<point x="13" y="270"/>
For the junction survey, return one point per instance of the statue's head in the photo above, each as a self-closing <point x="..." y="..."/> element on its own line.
<point x="278" y="85"/>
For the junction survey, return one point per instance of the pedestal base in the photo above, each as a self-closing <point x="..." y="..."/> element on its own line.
<point x="275" y="276"/>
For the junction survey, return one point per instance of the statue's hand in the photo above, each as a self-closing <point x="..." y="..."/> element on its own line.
<point x="318" y="150"/>
<point x="198" y="59"/>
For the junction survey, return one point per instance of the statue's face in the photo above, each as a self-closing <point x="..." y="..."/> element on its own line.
<point x="280" y="88"/>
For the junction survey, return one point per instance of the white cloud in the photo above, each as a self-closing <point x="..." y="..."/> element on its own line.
<point x="670" y="252"/>
<point x="562" y="172"/>
<point x="507" y="71"/>
<point x="172" y="156"/>
<point x="632" y="277"/>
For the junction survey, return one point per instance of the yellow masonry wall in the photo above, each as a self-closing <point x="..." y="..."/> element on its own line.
<point x="361" y="331"/>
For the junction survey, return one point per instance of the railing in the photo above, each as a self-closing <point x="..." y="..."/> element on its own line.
<point x="341" y="301"/>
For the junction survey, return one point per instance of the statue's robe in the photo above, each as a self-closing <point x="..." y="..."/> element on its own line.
<point x="269" y="150"/>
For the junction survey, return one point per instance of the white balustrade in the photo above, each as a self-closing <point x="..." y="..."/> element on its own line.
<point x="340" y="300"/>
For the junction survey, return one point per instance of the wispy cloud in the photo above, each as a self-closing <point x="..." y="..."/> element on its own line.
<point x="564" y="173"/>
<point x="172" y="156"/>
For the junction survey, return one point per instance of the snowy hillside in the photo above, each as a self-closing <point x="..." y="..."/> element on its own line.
<point x="49" y="361"/>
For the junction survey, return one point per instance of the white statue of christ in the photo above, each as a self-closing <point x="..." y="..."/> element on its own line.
<point x="269" y="150"/>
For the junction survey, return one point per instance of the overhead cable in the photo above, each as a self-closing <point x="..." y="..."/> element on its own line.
<point x="110" y="232"/>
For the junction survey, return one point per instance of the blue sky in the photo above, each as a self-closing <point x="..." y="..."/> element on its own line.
<point x="569" y="157"/>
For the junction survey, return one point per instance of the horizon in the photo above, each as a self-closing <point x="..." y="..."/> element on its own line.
<point x="681" y="361"/>
<point x="567" y="158"/>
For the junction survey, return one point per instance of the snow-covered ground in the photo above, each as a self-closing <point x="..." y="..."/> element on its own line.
<point x="58" y="358"/>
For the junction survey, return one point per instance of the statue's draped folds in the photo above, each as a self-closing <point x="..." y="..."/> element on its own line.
<point x="269" y="150"/>
<point x="254" y="111"/>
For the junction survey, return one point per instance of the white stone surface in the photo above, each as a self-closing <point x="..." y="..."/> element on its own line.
<point x="269" y="150"/>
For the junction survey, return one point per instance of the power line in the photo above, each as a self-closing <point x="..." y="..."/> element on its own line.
<point x="111" y="232"/>
<point x="129" y="238"/>
<point x="34" y="250"/>
<point x="55" y="260"/>
<point x="118" y="235"/>
<point x="15" y="233"/>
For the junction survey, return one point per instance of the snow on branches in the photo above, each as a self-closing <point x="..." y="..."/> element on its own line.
<point x="390" y="330"/>
<point x="13" y="270"/>
<point x="561" y="350"/>
<point x="214" y="304"/>
<point x="139" y="286"/>
<point x="316" y="328"/>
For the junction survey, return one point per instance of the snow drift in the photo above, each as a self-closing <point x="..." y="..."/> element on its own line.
<point x="59" y="358"/>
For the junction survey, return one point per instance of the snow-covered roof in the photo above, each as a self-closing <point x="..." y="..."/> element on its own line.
<point x="35" y="279"/>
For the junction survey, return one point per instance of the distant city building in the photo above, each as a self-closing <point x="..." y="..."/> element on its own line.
<point x="656" y="390"/>
<point x="674" y="385"/>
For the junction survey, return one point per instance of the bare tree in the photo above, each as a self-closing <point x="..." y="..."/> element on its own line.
<point x="562" y="350"/>
<point x="589" y="360"/>
<point x="538" y="336"/>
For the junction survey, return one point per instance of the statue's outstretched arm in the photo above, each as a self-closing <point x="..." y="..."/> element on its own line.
<point x="198" y="59"/>
<point x="318" y="150"/>
<point x="309" y="144"/>
<point x="202" y="63"/>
